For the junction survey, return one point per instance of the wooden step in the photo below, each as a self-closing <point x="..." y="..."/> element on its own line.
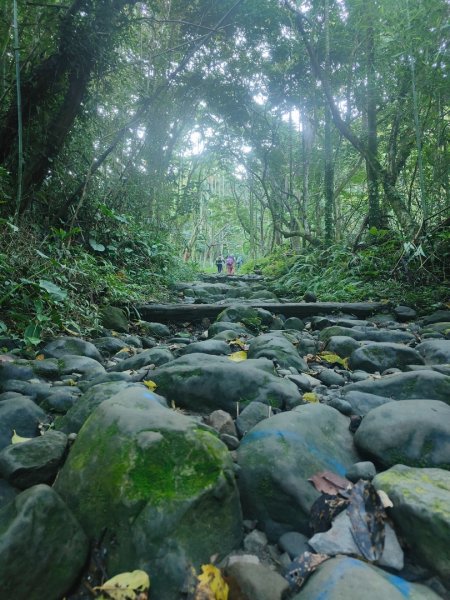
<point x="165" y="313"/>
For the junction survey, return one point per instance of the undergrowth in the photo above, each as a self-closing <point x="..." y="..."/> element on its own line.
<point x="385" y="268"/>
<point x="56" y="282"/>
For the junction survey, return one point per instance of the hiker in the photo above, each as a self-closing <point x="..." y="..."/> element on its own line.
<point x="219" y="263"/>
<point x="239" y="262"/>
<point x="230" y="262"/>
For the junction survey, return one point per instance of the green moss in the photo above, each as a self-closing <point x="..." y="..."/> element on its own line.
<point x="183" y="468"/>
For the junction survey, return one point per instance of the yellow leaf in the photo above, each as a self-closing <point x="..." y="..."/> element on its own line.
<point x="334" y="358"/>
<point x="151" y="385"/>
<point x="17" y="439"/>
<point x="40" y="357"/>
<point x="238" y="342"/>
<point x="125" y="586"/>
<point x="310" y="397"/>
<point x="212" y="585"/>
<point x="238" y="356"/>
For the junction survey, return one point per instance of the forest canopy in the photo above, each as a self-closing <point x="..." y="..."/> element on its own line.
<point x="171" y="128"/>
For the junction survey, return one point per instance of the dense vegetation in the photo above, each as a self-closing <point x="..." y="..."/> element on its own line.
<point x="138" y="140"/>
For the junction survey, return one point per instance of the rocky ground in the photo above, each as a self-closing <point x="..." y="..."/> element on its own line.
<point x="260" y="443"/>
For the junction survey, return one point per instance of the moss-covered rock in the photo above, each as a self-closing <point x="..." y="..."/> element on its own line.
<point x="421" y="512"/>
<point x="113" y="317"/>
<point x="251" y="318"/>
<point x="159" y="483"/>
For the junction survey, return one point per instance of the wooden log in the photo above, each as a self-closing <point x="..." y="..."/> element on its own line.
<point x="165" y="313"/>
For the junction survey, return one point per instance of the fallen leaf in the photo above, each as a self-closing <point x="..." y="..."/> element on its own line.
<point x="238" y="356"/>
<point x="125" y="586"/>
<point x="40" y="357"/>
<point x="151" y="385"/>
<point x="212" y="585"/>
<point x="330" y="483"/>
<point x="302" y="567"/>
<point x="310" y="397"/>
<point x="17" y="439"/>
<point x="331" y="358"/>
<point x="324" y="510"/>
<point x="367" y="516"/>
<point x="385" y="500"/>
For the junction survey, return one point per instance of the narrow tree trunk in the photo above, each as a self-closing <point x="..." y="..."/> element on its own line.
<point x="372" y="138"/>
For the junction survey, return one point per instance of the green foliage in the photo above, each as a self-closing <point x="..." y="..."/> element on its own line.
<point x="54" y="284"/>
<point x="386" y="268"/>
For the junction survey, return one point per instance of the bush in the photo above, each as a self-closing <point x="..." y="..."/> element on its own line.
<point x="52" y="283"/>
<point x="385" y="268"/>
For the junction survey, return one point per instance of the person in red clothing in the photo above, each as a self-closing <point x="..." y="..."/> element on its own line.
<point x="229" y="263"/>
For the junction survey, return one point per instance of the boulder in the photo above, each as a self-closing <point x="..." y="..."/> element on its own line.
<point x="404" y="313"/>
<point x="251" y="416"/>
<point x="294" y="544"/>
<point x="220" y="326"/>
<point x="158" y="330"/>
<point x="156" y="356"/>
<point x="22" y="415"/>
<point x="108" y="346"/>
<point x="42" y="546"/>
<point x="74" y="419"/>
<point x="435" y="352"/>
<point x="406" y="386"/>
<point x="251" y="318"/>
<point x="370" y="334"/>
<point x="382" y="356"/>
<point x="255" y="581"/>
<point x="279" y="455"/>
<point x="85" y="366"/>
<point x="410" y="432"/>
<point x="35" y="461"/>
<point x="213" y="346"/>
<point x="73" y="346"/>
<point x="7" y="492"/>
<point x="219" y="383"/>
<point x="361" y="402"/>
<point x="159" y="483"/>
<point x="346" y="578"/>
<point x="276" y="346"/>
<point x="294" y="323"/>
<point x="439" y="316"/>
<point x="113" y="317"/>
<point x="339" y="540"/>
<point x="17" y="369"/>
<point x="438" y="329"/>
<point x="361" y="470"/>
<point x="421" y="512"/>
<point x="342" y="345"/>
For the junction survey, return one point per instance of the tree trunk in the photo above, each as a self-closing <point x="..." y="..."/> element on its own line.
<point x="372" y="139"/>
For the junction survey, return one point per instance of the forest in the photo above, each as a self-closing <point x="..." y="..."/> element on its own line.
<point x="139" y="140"/>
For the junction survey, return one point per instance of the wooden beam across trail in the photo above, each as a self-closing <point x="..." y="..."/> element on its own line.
<point x="166" y="313"/>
